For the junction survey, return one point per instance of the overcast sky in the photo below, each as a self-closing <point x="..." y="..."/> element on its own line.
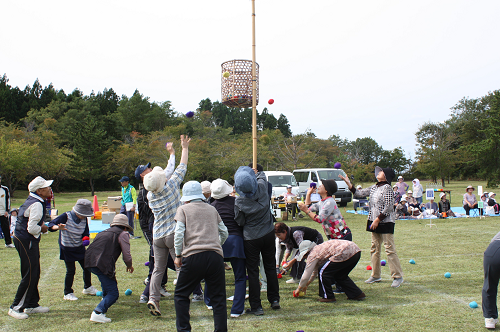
<point x="350" y="68"/>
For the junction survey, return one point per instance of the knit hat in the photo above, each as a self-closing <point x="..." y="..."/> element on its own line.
<point x="83" y="207"/>
<point x="192" y="190"/>
<point x="121" y="220"/>
<point x="220" y="188"/>
<point x="330" y="187"/>
<point x="389" y="173"/>
<point x="205" y="187"/>
<point x="155" y="180"/>
<point x="39" y="183"/>
<point x="245" y="182"/>
<point x="304" y="247"/>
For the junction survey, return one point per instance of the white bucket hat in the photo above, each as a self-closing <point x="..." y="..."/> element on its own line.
<point x="220" y="189"/>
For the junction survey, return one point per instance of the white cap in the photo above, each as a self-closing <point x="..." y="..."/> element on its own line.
<point x="39" y="183"/>
<point x="205" y="187"/>
<point x="400" y="177"/>
<point x="491" y="194"/>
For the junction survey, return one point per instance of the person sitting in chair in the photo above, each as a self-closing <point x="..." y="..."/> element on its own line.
<point x="493" y="202"/>
<point x="289" y="205"/>
<point x="470" y="200"/>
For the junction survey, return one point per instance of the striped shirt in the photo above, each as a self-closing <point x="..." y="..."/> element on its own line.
<point x="164" y="204"/>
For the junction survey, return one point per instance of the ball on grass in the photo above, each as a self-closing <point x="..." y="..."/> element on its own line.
<point x="412" y="261"/>
<point x="297" y="294"/>
<point x="271" y="101"/>
<point x="368" y="267"/>
<point x="447" y="275"/>
<point x="226" y="74"/>
<point x="147" y="263"/>
<point x="98" y="293"/>
<point x="128" y="292"/>
<point x="337" y="165"/>
<point x="190" y="114"/>
<point x="279" y="276"/>
<point x="383" y="262"/>
<point x="473" y="304"/>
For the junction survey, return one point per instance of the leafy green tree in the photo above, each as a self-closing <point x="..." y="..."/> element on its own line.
<point x="393" y="158"/>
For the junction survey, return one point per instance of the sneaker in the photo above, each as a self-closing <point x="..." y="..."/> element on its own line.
<point x="300" y="215"/>
<point x="9" y="246"/>
<point x="371" y="280"/>
<point x="294" y="219"/>
<point x="89" y="291"/>
<point x="70" y="297"/>
<point x="237" y="315"/>
<point x="489" y="323"/>
<point x="17" y="314"/>
<point x="209" y="307"/>
<point x="154" y="308"/>
<point x="397" y="282"/>
<point x="338" y="290"/>
<point x="99" y="318"/>
<point x="197" y="298"/>
<point x="326" y="300"/>
<point x="293" y="281"/>
<point x="276" y="305"/>
<point x="164" y="293"/>
<point x="37" y="310"/>
<point x="174" y="282"/>
<point x="263" y="289"/>
<point x="143" y="299"/>
<point x="257" y="312"/>
<point x="146" y="281"/>
<point x="360" y="297"/>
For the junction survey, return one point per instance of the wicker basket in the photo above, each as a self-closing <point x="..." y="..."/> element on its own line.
<point x="236" y="89"/>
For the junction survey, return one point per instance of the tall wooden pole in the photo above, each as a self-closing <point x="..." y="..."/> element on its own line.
<point x="254" y="91"/>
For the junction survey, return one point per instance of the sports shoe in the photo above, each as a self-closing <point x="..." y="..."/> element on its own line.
<point x="89" y="291"/>
<point x="360" y="297"/>
<point x="164" y="293"/>
<point x="70" y="297"/>
<point x="209" y="307"/>
<point x="489" y="323"/>
<point x="9" y="246"/>
<point x="257" y="312"/>
<point x="326" y="300"/>
<point x="154" y="308"/>
<point x="293" y="281"/>
<point x="238" y="315"/>
<point x="99" y="318"/>
<point x="143" y="299"/>
<point x="174" y="282"/>
<point x="300" y="215"/>
<point x="146" y="281"/>
<point x="37" y="310"/>
<point x="338" y="290"/>
<point x="371" y="280"/>
<point x="197" y="298"/>
<point x="17" y="314"/>
<point x="397" y="282"/>
<point x="276" y="305"/>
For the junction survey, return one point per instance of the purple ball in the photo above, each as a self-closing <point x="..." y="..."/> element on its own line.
<point x="147" y="263"/>
<point x="85" y="243"/>
<point x="337" y="165"/>
<point x="190" y="114"/>
<point x="313" y="185"/>
<point x="382" y="263"/>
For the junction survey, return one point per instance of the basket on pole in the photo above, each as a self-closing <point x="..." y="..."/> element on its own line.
<point x="236" y="89"/>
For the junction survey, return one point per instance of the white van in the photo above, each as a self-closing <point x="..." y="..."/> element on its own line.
<point x="304" y="178"/>
<point x="280" y="180"/>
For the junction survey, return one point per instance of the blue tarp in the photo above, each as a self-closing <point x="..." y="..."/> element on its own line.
<point x="97" y="226"/>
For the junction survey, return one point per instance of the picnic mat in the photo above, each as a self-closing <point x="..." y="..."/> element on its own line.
<point x="459" y="212"/>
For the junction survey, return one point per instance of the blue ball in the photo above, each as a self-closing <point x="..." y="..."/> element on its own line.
<point x="128" y="292"/>
<point x="98" y="293"/>
<point x="447" y="275"/>
<point x="473" y="304"/>
<point x="412" y="261"/>
<point x="190" y="114"/>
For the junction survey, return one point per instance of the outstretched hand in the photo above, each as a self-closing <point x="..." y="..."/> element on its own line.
<point x="346" y="180"/>
<point x="185" y="141"/>
<point x="170" y="147"/>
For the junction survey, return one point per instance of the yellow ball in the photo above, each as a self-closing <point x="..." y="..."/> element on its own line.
<point x="226" y="74"/>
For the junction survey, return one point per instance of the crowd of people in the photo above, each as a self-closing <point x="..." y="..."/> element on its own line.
<point x="239" y="229"/>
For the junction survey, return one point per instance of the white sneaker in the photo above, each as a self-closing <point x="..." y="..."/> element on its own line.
<point x="197" y="298"/>
<point x="489" y="323"/>
<point x="237" y="315"/>
<point x="89" y="291"/>
<point x="164" y="293"/>
<point x="397" y="282"/>
<point x="174" y="282"/>
<point x="293" y="281"/>
<point x="9" y="246"/>
<point x="371" y="280"/>
<point x="17" y="314"/>
<point x="37" y="310"/>
<point x="70" y="297"/>
<point x="146" y="281"/>
<point x="99" y="318"/>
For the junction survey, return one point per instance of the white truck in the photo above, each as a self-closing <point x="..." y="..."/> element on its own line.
<point x="305" y="176"/>
<point x="280" y="180"/>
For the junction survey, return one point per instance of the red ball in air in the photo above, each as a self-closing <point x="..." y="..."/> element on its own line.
<point x="271" y="101"/>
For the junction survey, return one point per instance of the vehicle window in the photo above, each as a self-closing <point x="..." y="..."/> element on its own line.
<point x="331" y="174"/>
<point x="282" y="180"/>
<point x="301" y="176"/>
<point x="314" y="178"/>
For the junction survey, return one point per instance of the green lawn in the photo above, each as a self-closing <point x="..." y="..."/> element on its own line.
<point x="427" y="301"/>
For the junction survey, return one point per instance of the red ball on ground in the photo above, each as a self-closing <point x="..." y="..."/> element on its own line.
<point x="280" y="276"/>
<point x="368" y="267"/>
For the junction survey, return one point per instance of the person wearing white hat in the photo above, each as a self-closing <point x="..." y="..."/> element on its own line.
<point x="444" y="206"/>
<point x="27" y="233"/>
<point x="493" y="202"/>
<point x="205" y="188"/>
<point x="470" y="200"/>
<point x="288" y="195"/>
<point x="402" y="186"/>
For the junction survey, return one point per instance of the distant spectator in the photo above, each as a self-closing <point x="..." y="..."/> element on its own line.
<point x="129" y="195"/>
<point x="402" y="208"/>
<point x="418" y="191"/>
<point x="288" y="195"/>
<point x="493" y="202"/>
<point x="360" y="201"/>
<point x="397" y="195"/>
<point x="402" y="186"/>
<point x="444" y="206"/>
<point x="4" y="214"/>
<point x="430" y="207"/>
<point x="470" y="200"/>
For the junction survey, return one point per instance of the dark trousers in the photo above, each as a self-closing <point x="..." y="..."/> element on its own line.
<point x="130" y="215"/>
<point x="491" y="264"/>
<point x="293" y="208"/>
<point x="110" y="292"/>
<point x="467" y="208"/>
<point x="70" y="276"/>
<point x="299" y="267"/>
<point x="4" y="223"/>
<point x="207" y="265"/>
<point x="253" y="248"/>
<point x="338" y="273"/>
<point x="27" y="295"/>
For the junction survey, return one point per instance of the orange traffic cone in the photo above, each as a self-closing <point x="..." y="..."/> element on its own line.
<point x="95" y="205"/>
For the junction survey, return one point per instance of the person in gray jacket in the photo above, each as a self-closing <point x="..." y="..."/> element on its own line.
<point x="253" y="213"/>
<point x="381" y="223"/>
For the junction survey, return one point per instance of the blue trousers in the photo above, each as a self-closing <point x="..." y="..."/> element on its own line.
<point x="130" y="215"/>
<point x="109" y="291"/>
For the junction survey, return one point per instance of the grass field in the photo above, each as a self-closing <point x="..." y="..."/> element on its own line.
<point x="427" y="301"/>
